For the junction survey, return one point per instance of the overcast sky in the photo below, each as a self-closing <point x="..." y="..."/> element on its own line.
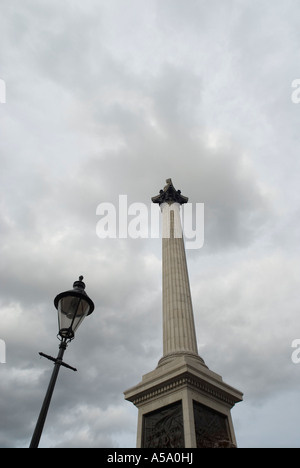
<point x="109" y="98"/>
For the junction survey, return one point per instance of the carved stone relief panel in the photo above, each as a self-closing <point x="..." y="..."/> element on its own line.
<point x="163" y="428"/>
<point x="212" y="430"/>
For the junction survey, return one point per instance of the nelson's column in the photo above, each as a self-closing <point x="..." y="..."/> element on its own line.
<point x="182" y="403"/>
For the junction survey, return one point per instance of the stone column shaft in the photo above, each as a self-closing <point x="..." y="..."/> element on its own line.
<point x="181" y="403"/>
<point x="178" y="319"/>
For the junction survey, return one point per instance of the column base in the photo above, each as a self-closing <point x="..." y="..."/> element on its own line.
<point x="184" y="404"/>
<point x="168" y="358"/>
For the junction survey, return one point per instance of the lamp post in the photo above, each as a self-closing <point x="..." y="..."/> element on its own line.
<point x="72" y="306"/>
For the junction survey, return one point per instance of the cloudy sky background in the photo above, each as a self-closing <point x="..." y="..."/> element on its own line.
<point x="110" y="98"/>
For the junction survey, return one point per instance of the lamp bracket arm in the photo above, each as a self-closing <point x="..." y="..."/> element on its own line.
<point x="59" y="361"/>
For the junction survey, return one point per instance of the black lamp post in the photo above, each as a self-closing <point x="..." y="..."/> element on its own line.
<point x="72" y="306"/>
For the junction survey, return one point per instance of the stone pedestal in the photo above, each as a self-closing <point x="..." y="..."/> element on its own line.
<point x="182" y="404"/>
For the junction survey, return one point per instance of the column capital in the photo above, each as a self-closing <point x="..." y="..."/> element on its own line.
<point x="169" y="195"/>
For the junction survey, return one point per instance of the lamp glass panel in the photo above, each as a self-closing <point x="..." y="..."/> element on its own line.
<point x="71" y="312"/>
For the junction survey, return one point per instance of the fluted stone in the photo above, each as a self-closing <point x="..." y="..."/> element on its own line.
<point x="178" y="321"/>
<point x="179" y="336"/>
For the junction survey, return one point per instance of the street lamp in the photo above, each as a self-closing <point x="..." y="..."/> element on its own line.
<point x="72" y="306"/>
